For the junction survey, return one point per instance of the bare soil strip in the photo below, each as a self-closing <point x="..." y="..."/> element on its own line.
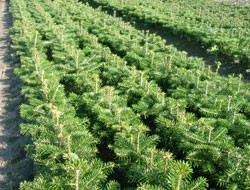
<point x="14" y="166"/>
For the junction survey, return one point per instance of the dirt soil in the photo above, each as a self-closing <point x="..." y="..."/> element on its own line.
<point x="14" y="166"/>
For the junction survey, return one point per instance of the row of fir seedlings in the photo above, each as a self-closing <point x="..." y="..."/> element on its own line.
<point x="119" y="116"/>
<point x="221" y="28"/>
<point x="243" y="132"/>
<point x="63" y="150"/>
<point x="219" y="133"/>
<point x="173" y="71"/>
<point x="175" y="180"/>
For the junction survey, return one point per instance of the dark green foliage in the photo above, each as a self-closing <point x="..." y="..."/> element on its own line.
<point x="162" y="118"/>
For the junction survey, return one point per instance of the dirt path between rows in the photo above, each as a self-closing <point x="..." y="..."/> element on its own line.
<point x="14" y="166"/>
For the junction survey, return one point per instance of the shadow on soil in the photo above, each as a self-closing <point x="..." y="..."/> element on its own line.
<point x="14" y="165"/>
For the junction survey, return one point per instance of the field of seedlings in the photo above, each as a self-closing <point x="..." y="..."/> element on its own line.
<point x="109" y="106"/>
<point x="222" y="28"/>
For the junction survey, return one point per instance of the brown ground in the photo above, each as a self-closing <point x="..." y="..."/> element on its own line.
<point x="14" y="167"/>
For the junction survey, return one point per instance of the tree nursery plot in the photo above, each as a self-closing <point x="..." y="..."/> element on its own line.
<point x="108" y="106"/>
<point x="222" y="28"/>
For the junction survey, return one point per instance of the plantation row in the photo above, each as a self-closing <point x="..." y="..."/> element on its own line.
<point x="58" y="154"/>
<point x="85" y="71"/>
<point x="62" y="161"/>
<point x="221" y="27"/>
